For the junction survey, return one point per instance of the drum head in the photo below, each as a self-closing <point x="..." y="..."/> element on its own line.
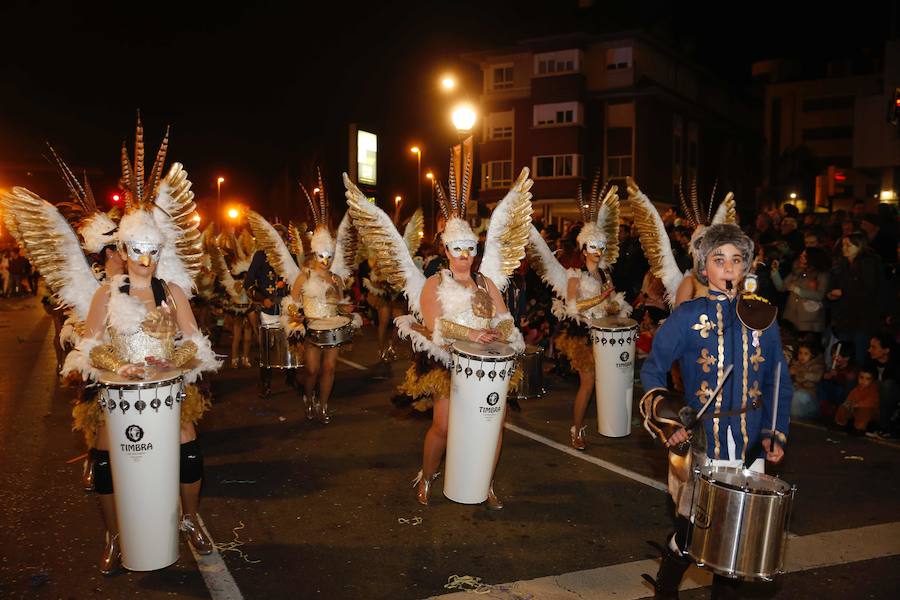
<point x="613" y="324"/>
<point x="327" y="323"/>
<point x="746" y="480"/>
<point x="154" y="377"/>
<point x="529" y="350"/>
<point x="493" y="350"/>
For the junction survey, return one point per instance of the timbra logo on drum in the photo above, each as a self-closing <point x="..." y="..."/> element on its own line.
<point x="492" y="400"/>
<point x="135" y="434"/>
<point x="624" y="357"/>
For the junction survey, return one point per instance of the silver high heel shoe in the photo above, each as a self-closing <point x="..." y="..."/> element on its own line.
<point x="111" y="560"/>
<point x="423" y="487"/>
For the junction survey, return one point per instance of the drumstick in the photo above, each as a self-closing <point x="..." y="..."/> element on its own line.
<point x="775" y="405"/>
<point x="715" y="393"/>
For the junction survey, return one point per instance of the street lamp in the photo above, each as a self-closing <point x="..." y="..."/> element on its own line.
<point x="233" y="213"/>
<point x="793" y="195"/>
<point x="418" y="152"/>
<point x="219" y="183"/>
<point x="463" y="118"/>
<point x="448" y="83"/>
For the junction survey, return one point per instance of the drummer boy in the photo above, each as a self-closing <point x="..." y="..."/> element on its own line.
<point x="705" y="336"/>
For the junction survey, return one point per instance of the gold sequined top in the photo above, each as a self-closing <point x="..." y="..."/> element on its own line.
<point x="320" y="297"/>
<point x="156" y="338"/>
<point x="463" y="305"/>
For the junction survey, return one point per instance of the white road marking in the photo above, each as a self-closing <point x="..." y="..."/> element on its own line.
<point x="218" y="579"/>
<point x="624" y="582"/>
<point x="648" y="481"/>
<point x="352" y="364"/>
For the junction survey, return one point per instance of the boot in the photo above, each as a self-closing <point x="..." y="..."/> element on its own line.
<point x="197" y="538"/>
<point x="324" y="419"/>
<point x="668" y="578"/>
<point x="111" y="561"/>
<point x="308" y="406"/>
<point x="423" y="487"/>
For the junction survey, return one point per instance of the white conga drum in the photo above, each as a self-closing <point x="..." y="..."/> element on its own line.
<point x="479" y="378"/>
<point x="143" y="419"/>
<point x="613" y="339"/>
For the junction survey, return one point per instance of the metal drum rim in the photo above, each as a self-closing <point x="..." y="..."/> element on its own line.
<point x="142" y="385"/>
<point x="487" y="359"/>
<point x="706" y="475"/>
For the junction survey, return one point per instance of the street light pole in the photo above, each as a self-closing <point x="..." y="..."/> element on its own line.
<point x="219" y="183"/>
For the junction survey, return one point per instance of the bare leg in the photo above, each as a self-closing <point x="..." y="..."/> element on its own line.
<point x="247" y="334"/>
<point x="235" y="340"/>
<point x="384" y="317"/>
<point x="313" y="366"/>
<point x="107" y="501"/>
<point x="253" y="317"/>
<point x="436" y="438"/>
<point x="326" y="377"/>
<point x="582" y="397"/>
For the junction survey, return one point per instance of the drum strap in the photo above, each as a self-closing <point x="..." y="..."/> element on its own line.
<point x="731" y="413"/>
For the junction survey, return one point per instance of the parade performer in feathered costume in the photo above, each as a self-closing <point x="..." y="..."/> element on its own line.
<point x="135" y="323"/>
<point x="382" y="296"/>
<point x="455" y="304"/>
<point x="237" y="302"/>
<point x="317" y="293"/>
<point x="583" y="295"/>
<point x="655" y="240"/>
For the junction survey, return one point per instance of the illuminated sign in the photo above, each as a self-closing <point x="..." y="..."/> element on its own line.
<point x="366" y="156"/>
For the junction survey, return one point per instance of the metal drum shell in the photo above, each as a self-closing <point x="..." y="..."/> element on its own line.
<point x="329" y="338"/>
<point x="531" y="362"/>
<point x="275" y="351"/>
<point x="739" y="522"/>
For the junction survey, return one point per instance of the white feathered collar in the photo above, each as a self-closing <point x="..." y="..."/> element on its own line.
<point x="454" y="297"/>
<point x="124" y="313"/>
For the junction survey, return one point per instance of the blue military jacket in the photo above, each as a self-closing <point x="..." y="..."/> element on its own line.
<point x="262" y="279"/>
<point x="705" y="335"/>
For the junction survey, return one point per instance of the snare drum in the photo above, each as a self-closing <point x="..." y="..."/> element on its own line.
<point x="613" y="339"/>
<point x="479" y="378"/>
<point x="532" y="365"/>
<point x="276" y="351"/>
<point x="739" y="522"/>
<point x="143" y="419"/>
<point x="329" y="332"/>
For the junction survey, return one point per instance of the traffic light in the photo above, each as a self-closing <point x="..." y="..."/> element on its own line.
<point x="837" y="180"/>
<point x="116" y="198"/>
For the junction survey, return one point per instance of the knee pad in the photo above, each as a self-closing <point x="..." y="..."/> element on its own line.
<point x="191" y="462"/>
<point x="103" y="482"/>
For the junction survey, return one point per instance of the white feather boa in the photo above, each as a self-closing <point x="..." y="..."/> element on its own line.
<point x="433" y="347"/>
<point x="588" y="287"/>
<point x="205" y="359"/>
<point x="79" y="360"/>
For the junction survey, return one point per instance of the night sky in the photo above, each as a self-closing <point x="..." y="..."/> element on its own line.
<point x="258" y="92"/>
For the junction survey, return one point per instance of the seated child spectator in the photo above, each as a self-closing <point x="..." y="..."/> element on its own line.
<point x="861" y="405"/>
<point x="838" y="381"/>
<point x="807" y="369"/>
